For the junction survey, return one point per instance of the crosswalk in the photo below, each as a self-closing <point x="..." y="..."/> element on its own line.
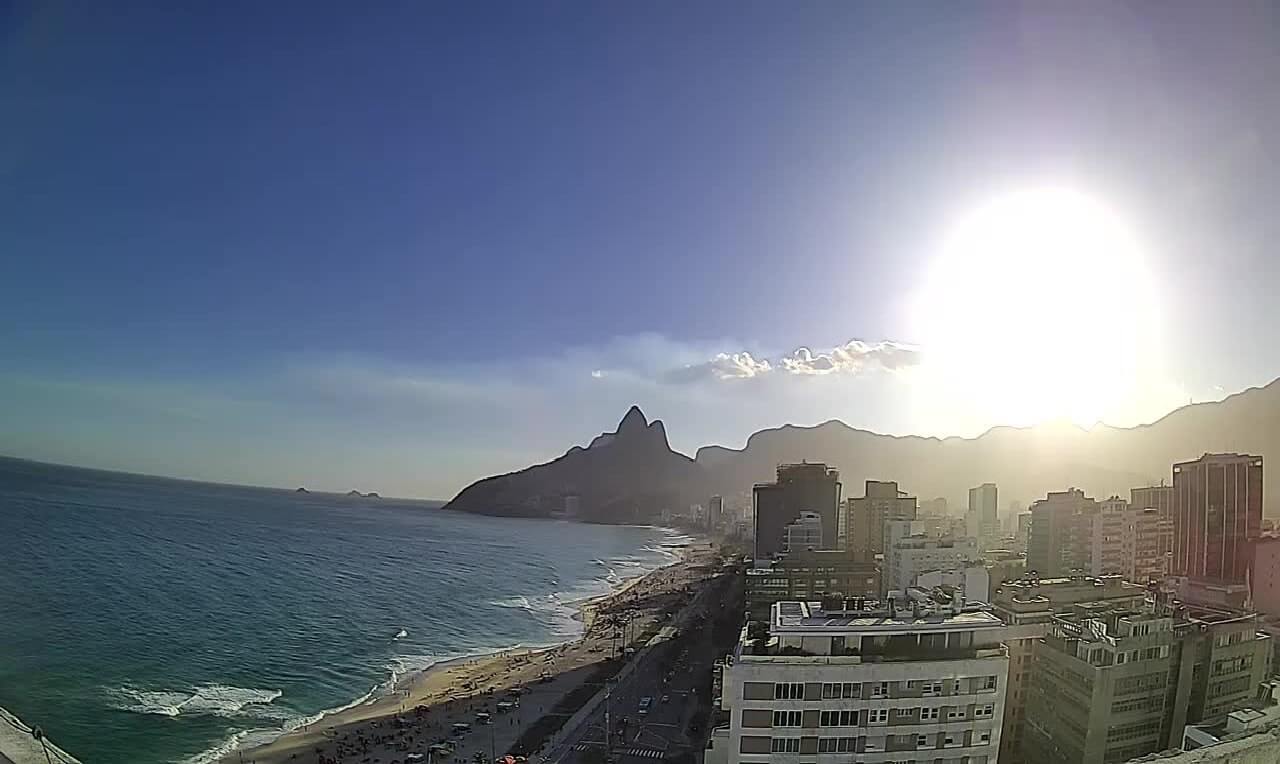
<point x="644" y="753"/>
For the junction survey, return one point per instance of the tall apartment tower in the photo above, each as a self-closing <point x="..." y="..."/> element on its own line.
<point x="865" y="517"/>
<point x="982" y="521"/>
<point x="1027" y="606"/>
<point x="861" y="681"/>
<point x="1217" y="516"/>
<point x="1109" y="685"/>
<point x="715" y="512"/>
<point x="800" y="488"/>
<point x="1061" y="534"/>
<point x="1111" y="539"/>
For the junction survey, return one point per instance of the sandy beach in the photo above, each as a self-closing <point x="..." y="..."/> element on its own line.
<point x="524" y="692"/>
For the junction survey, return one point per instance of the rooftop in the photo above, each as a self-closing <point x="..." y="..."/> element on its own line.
<point x="919" y="611"/>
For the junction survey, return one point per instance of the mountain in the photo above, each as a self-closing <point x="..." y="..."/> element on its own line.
<point x="623" y="476"/>
<point x="632" y="474"/>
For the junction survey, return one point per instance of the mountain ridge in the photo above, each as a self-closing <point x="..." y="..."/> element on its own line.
<point x="636" y="474"/>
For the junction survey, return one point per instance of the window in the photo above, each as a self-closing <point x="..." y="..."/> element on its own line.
<point x="784" y="745"/>
<point x="955" y="712"/>
<point x="880" y="690"/>
<point x="988" y="683"/>
<point x="836" y="744"/>
<point x="929" y="714"/>
<point x="984" y="712"/>
<point x="950" y="740"/>
<point x="788" y="690"/>
<point x="902" y="713"/>
<point x="932" y="688"/>
<point x="922" y="741"/>
<point x="912" y="684"/>
<point x="831" y="690"/>
<point x="838" y="719"/>
<point x="984" y="737"/>
<point x="878" y="716"/>
<point x="1120" y="658"/>
<point x="874" y="744"/>
<point x="786" y="718"/>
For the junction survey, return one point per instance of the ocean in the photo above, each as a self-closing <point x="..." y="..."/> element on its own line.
<point x="147" y="620"/>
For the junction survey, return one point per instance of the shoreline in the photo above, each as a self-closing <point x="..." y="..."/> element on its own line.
<point x="452" y="687"/>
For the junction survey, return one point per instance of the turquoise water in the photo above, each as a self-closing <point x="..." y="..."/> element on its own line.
<point x="145" y="620"/>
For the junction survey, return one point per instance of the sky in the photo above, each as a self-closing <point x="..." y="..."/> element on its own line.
<point x="401" y="247"/>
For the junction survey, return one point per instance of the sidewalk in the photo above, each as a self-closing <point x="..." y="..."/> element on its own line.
<point x="17" y="746"/>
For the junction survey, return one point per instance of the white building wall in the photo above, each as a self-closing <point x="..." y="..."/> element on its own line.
<point x="897" y="674"/>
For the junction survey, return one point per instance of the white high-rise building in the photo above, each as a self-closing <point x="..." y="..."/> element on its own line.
<point x="908" y="554"/>
<point x="912" y="680"/>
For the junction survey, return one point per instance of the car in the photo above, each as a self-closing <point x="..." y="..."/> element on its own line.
<point x="413" y="758"/>
<point x="645" y="703"/>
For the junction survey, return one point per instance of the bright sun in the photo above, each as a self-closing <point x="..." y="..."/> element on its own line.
<point x="1038" y="307"/>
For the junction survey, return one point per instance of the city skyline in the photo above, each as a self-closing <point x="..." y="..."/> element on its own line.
<point x="415" y="248"/>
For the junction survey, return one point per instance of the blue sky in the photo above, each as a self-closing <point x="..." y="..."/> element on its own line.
<point x="400" y="248"/>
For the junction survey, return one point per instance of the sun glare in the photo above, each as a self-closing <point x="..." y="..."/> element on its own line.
<point x="1038" y="307"/>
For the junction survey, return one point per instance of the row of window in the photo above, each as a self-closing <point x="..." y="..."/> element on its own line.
<point x="849" y="717"/>
<point x="832" y="690"/>
<point x="850" y="744"/>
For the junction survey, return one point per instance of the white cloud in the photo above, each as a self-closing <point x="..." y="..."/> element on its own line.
<point x="721" y="366"/>
<point x="853" y="357"/>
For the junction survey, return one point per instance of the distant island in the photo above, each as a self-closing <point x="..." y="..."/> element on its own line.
<point x="632" y="475"/>
<point x="370" y="495"/>
<point x="300" y="489"/>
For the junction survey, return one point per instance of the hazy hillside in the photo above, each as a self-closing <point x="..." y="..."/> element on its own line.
<point x="638" y="479"/>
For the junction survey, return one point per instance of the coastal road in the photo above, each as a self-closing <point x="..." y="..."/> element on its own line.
<point x="677" y="669"/>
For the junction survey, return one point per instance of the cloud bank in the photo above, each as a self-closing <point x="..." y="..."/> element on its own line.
<point x="852" y="358"/>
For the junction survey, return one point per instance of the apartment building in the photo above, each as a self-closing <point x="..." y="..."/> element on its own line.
<point x="1109" y="684"/>
<point x="803" y="534"/>
<point x="908" y="555"/>
<point x="1027" y="606"/>
<point x="809" y="575"/>
<point x="866" y="516"/>
<point x="1110" y="538"/>
<point x="921" y="679"/>
<point x="1152" y="548"/>
<point x="1061" y="534"/>
<point x="1217" y="504"/>
<point x="799" y="488"/>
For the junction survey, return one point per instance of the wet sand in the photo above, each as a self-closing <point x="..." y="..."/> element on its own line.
<point x="423" y="708"/>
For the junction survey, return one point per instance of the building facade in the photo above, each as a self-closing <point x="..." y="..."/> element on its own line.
<point x="1028" y="605"/>
<point x="809" y="575"/>
<point x="865" y="517"/>
<point x="908" y="556"/>
<point x="981" y="518"/>
<point x="1110" y="684"/>
<point x="1157" y="497"/>
<point x="799" y="488"/>
<point x="1217" y="505"/>
<point x="804" y="534"/>
<point x="1110" y="539"/>
<point x="1266" y="575"/>
<point x="869" y="683"/>
<point x="1061" y="533"/>
<point x="1152" y="545"/>
<point x="715" y="512"/>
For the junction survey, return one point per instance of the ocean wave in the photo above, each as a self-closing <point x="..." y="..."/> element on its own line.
<point x="209" y="700"/>
<point x="223" y="748"/>
<point x="519" y="602"/>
